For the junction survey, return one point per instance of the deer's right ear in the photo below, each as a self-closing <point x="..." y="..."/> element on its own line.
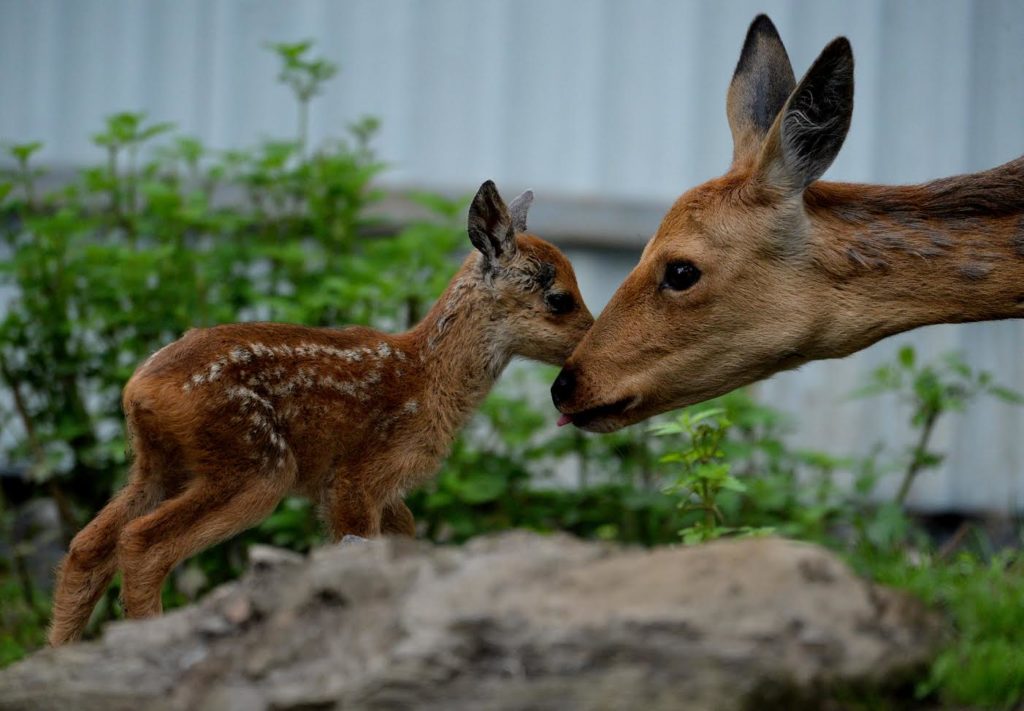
<point x="490" y="224"/>
<point x="762" y="82"/>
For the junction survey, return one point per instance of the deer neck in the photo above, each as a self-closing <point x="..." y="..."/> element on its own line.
<point x="462" y="349"/>
<point x="896" y="258"/>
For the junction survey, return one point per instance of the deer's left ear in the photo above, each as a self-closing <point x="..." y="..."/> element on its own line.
<point x="813" y="124"/>
<point x="490" y="225"/>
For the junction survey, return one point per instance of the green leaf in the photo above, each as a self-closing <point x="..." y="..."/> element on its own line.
<point x="482" y="486"/>
<point x="22" y="152"/>
<point x="1006" y="394"/>
<point x="907" y="357"/>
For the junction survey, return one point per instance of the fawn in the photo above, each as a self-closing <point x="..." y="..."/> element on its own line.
<point x="227" y="420"/>
<point x="767" y="268"/>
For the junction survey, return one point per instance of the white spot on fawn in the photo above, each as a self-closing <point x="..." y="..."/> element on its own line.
<point x="260" y="351"/>
<point x="247" y="396"/>
<point x="215" y="369"/>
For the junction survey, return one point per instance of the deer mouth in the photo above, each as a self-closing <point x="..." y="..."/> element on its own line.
<point x="603" y="418"/>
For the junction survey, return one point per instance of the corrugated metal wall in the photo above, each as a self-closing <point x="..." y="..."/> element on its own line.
<point x="601" y="101"/>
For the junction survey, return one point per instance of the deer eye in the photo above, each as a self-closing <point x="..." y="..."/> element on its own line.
<point x="560" y="302"/>
<point x="680" y="276"/>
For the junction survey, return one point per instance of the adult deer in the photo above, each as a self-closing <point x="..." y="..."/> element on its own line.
<point x="227" y="420"/>
<point x="764" y="268"/>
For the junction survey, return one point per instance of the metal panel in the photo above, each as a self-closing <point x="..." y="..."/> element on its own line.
<point x="595" y="101"/>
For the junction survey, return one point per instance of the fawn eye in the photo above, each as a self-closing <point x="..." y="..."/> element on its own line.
<point x="680" y="276"/>
<point x="560" y="303"/>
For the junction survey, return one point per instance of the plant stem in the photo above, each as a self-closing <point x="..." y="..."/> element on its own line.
<point x="115" y="183"/>
<point x="29" y="184"/>
<point x="709" y="518"/>
<point x="917" y="457"/>
<point x="303" y="125"/>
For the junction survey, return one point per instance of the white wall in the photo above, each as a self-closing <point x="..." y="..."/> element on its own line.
<point x="602" y="102"/>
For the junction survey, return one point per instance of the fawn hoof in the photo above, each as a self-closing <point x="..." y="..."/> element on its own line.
<point x="349" y="538"/>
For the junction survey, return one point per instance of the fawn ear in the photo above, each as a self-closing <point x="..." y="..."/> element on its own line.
<point x="518" y="209"/>
<point x="490" y="225"/>
<point x="762" y="82"/>
<point x="814" y="122"/>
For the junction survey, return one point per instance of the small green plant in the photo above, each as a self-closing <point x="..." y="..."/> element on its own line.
<point x="305" y="77"/>
<point x="704" y="471"/>
<point x="931" y="390"/>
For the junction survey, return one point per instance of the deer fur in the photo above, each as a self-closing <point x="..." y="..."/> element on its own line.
<point x="793" y="269"/>
<point x="227" y="420"/>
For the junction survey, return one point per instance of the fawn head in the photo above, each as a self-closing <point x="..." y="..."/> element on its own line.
<point x="529" y="284"/>
<point x="726" y="292"/>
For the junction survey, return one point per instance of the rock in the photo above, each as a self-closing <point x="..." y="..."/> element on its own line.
<point x="517" y="621"/>
<point x="262" y="556"/>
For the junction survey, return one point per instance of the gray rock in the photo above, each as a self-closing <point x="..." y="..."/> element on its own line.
<point x="517" y="621"/>
<point x="262" y="556"/>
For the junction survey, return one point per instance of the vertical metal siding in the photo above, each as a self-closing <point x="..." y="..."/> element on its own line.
<point x="590" y="98"/>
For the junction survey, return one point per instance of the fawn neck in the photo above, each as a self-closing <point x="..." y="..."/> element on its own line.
<point x="895" y="258"/>
<point x="461" y="346"/>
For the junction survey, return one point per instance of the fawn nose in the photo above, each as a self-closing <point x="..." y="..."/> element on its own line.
<point x="563" y="387"/>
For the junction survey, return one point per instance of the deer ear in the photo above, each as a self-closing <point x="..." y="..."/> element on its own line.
<point x="814" y="123"/>
<point x="762" y="82"/>
<point x="490" y="224"/>
<point x="518" y="209"/>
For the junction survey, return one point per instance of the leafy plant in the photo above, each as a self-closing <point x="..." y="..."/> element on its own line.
<point x="704" y="470"/>
<point x="931" y="390"/>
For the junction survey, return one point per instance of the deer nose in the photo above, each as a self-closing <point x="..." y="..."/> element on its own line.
<point x="563" y="387"/>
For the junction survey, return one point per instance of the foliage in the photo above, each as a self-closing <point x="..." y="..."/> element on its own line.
<point x="984" y="663"/>
<point x="705" y="471"/>
<point x="931" y="390"/>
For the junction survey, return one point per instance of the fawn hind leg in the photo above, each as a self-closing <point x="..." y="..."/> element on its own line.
<point x="212" y="509"/>
<point x="87" y="569"/>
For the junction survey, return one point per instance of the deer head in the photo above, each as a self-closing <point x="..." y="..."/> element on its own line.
<point x="764" y="269"/>
<point x="721" y="296"/>
<point x="527" y="284"/>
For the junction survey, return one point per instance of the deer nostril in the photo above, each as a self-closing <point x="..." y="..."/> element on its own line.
<point x="563" y="387"/>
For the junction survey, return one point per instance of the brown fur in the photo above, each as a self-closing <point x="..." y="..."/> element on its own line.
<point x="227" y="420"/>
<point x="794" y="270"/>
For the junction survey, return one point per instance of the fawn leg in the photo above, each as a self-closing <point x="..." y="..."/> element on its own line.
<point x="207" y="512"/>
<point x="397" y="519"/>
<point x="352" y="511"/>
<point x="85" y="572"/>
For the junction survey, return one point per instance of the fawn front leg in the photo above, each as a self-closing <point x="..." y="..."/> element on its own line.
<point x="352" y="511"/>
<point x="397" y="520"/>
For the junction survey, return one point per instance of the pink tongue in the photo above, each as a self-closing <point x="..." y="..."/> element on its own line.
<point x="564" y="420"/>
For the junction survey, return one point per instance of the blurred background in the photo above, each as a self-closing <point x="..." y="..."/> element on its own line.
<point x="171" y="163"/>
